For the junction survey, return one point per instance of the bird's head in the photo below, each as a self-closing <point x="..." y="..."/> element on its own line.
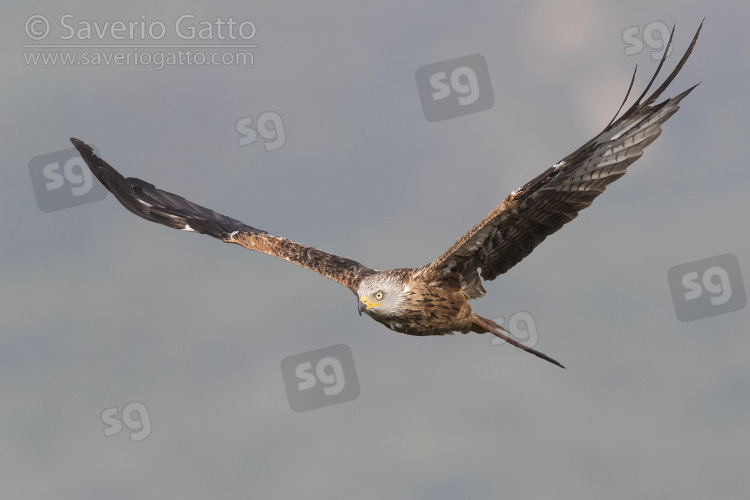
<point x="381" y="294"/>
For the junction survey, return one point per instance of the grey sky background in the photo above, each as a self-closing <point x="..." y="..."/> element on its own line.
<point x="101" y="308"/>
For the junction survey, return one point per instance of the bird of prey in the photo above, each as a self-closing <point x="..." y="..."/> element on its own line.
<point x="434" y="299"/>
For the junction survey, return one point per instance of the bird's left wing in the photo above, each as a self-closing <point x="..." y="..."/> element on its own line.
<point x="162" y="207"/>
<point x="531" y="213"/>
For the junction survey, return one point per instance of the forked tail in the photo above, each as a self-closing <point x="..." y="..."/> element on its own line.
<point x="485" y="325"/>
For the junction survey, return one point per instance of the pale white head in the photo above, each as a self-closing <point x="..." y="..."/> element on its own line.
<point x="381" y="294"/>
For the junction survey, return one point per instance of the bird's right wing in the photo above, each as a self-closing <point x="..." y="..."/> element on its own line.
<point x="534" y="211"/>
<point x="162" y="207"/>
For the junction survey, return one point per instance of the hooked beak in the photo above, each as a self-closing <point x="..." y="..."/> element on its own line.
<point x="361" y="307"/>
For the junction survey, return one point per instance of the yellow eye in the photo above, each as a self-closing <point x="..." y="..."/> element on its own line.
<point x="379" y="295"/>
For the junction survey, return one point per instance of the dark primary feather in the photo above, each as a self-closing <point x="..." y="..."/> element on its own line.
<point x="528" y="215"/>
<point x="156" y="205"/>
<point x="169" y="209"/>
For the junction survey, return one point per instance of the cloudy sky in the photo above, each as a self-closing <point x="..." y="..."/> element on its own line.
<point x="141" y="362"/>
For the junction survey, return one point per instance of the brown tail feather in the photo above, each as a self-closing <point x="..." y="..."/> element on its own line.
<point x="484" y="325"/>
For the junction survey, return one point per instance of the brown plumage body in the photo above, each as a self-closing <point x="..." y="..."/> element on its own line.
<point x="435" y="308"/>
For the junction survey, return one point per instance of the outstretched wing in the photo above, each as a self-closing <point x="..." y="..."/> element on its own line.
<point x="531" y="213"/>
<point x="162" y="207"/>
